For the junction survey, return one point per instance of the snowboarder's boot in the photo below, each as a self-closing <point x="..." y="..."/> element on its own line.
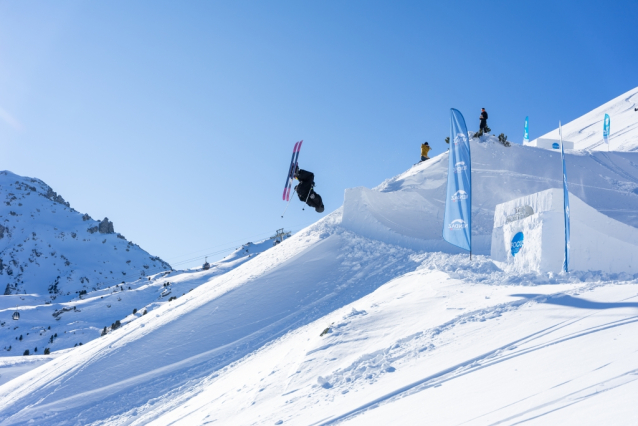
<point x="315" y="201"/>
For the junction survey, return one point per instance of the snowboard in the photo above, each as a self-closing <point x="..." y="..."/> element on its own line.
<point x="291" y="170"/>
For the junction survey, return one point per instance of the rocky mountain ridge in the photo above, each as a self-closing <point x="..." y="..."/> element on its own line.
<point x="47" y="247"/>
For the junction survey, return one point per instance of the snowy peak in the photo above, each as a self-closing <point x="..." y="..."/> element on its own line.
<point x="46" y="246"/>
<point x="587" y="131"/>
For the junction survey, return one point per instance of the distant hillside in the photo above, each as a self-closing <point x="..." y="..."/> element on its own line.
<point x="587" y="131"/>
<point x="47" y="247"/>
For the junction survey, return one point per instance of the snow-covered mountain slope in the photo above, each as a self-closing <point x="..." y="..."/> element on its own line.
<point x="406" y="331"/>
<point x="408" y="209"/>
<point x="587" y="131"/>
<point x="58" y="325"/>
<point x="46" y="247"/>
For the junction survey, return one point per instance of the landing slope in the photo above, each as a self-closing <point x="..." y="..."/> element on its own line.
<point x="451" y="343"/>
<point x="307" y="276"/>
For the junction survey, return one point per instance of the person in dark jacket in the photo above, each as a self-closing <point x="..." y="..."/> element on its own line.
<point x="483" y="128"/>
<point x="305" y="190"/>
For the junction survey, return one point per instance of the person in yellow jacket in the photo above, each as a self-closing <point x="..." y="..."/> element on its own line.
<point x="425" y="148"/>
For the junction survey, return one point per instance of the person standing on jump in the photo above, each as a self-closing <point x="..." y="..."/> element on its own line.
<point x="425" y="148"/>
<point x="483" y="128"/>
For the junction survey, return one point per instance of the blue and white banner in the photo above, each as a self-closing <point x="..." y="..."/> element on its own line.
<point x="526" y="138"/>
<point x="566" y="200"/>
<point x="606" y="125"/>
<point x="457" y="223"/>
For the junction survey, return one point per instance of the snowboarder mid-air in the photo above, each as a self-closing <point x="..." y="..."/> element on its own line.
<point x="425" y="148"/>
<point x="483" y="127"/>
<point x="305" y="189"/>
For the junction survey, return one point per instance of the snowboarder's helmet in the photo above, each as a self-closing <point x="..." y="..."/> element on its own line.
<point x="425" y="143"/>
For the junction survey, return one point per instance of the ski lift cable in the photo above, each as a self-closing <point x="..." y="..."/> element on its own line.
<point x="176" y="260"/>
<point x="221" y="244"/>
<point x="207" y="255"/>
<point x="111" y="283"/>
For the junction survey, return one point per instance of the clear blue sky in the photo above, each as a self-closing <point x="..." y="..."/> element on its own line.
<point x="177" y="119"/>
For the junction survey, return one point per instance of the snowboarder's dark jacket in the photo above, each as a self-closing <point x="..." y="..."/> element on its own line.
<point x="483" y="117"/>
<point x="305" y="191"/>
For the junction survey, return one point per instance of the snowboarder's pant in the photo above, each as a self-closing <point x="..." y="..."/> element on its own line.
<point x="483" y="124"/>
<point x="315" y="201"/>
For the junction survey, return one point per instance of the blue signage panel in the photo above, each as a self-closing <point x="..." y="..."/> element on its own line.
<point x="457" y="223"/>
<point x="517" y="243"/>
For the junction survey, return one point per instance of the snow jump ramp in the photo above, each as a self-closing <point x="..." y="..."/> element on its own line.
<point x="529" y="235"/>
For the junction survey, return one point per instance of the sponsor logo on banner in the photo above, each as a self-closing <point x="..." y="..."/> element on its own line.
<point x="459" y="195"/>
<point x="460" y="166"/>
<point x="555" y="145"/>
<point x="457" y="225"/>
<point x="460" y="137"/>
<point x="517" y="243"/>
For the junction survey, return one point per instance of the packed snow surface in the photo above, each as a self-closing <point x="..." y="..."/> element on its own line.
<point x="362" y="318"/>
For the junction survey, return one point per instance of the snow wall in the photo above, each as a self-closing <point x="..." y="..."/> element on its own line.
<point x="529" y="235"/>
<point x="401" y="218"/>
<point x="407" y="210"/>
